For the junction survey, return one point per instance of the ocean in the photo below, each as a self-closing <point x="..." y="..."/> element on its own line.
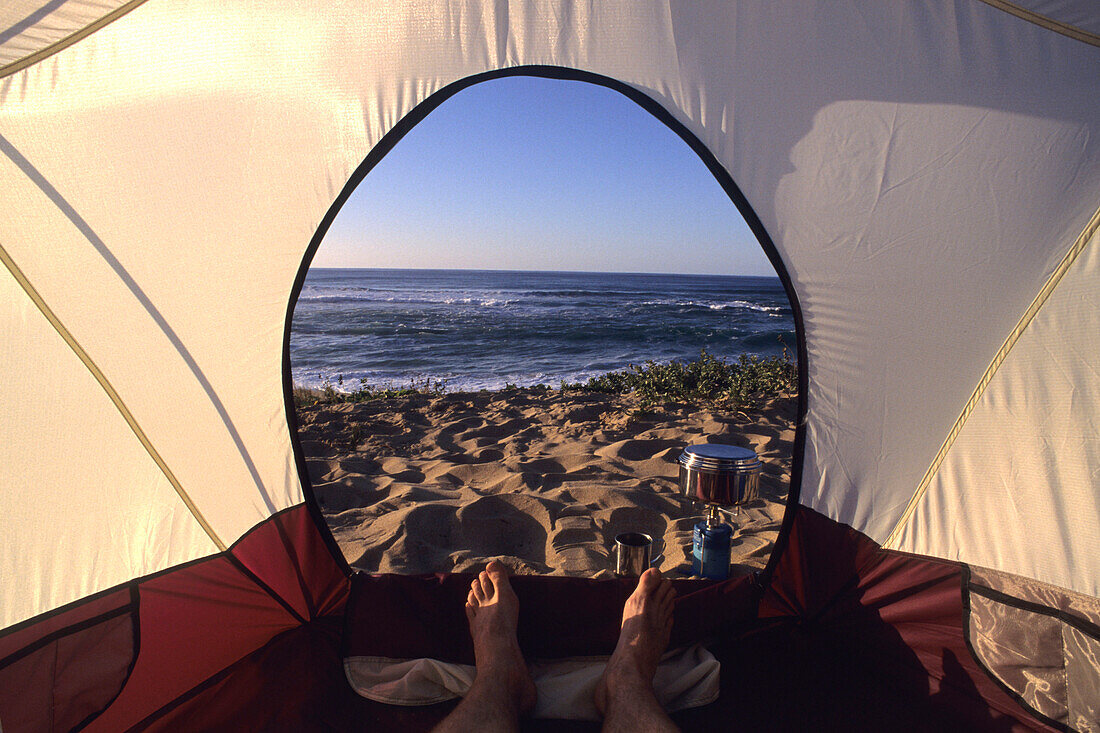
<point x="486" y="329"/>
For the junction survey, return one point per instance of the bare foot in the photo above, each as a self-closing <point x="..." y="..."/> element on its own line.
<point x="647" y="625"/>
<point x="493" y="612"/>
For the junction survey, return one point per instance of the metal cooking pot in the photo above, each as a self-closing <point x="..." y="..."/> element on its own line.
<point x="726" y="475"/>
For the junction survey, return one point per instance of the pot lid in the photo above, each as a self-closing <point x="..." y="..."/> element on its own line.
<point x="718" y="457"/>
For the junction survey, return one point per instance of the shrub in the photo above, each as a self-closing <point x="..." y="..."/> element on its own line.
<point x="747" y="382"/>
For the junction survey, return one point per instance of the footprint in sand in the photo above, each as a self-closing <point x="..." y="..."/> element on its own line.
<point x="399" y="470"/>
<point x="511" y="524"/>
<point x="416" y="538"/>
<point x="340" y="496"/>
<point x="637" y="450"/>
<point x="463" y="424"/>
<point x="463" y="561"/>
<point x="465" y="474"/>
<point x="496" y="432"/>
<point x="575" y="531"/>
<point x="632" y="519"/>
<point x="360" y="465"/>
<point x="587" y="413"/>
<point x="541" y="465"/>
<point x="588" y="562"/>
<point x="320" y="469"/>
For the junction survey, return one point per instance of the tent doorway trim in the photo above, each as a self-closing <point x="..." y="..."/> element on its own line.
<point x="721" y="175"/>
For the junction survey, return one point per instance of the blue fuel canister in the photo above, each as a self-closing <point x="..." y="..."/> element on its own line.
<point x="711" y="545"/>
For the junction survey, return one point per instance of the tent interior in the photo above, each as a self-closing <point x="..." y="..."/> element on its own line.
<point x="925" y="178"/>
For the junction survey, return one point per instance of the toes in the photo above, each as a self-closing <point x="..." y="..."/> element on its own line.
<point x="470" y="611"/>
<point x="477" y="590"/>
<point x="472" y="600"/>
<point x="487" y="584"/>
<point x="650" y="581"/>
<point x="498" y="576"/>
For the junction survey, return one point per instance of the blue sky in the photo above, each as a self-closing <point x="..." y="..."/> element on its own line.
<point x="534" y="174"/>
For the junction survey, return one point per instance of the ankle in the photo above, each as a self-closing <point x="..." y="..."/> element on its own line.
<point x="625" y="678"/>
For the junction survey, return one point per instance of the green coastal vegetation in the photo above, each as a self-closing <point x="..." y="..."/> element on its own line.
<point x="709" y="380"/>
<point x="747" y="382"/>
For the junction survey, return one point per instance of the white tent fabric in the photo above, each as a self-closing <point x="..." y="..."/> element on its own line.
<point x="922" y="169"/>
<point x="141" y="527"/>
<point x="1033" y="442"/>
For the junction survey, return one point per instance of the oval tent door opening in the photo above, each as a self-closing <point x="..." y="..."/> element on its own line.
<point x="514" y="327"/>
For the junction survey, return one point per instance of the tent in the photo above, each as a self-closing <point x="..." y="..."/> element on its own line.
<point x="925" y="177"/>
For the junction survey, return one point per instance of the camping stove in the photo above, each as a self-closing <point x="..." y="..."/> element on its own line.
<point x="721" y="477"/>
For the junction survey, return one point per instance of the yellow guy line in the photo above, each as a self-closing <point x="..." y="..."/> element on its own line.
<point x="69" y="40"/>
<point x="1070" y="31"/>
<point x="126" y="414"/>
<point x="1033" y="309"/>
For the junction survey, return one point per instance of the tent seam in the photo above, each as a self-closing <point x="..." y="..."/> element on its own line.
<point x="78" y="35"/>
<point x="292" y="555"/>
<point x="64" y="608"/>
<point x="205" y="684"/>
<point x="135" y="629"/>
<point x="1082" y="625"/>
<point x="58" y="634"/>
<point x="1065" y="29"/>
<point x="100" y="377"/>
<point x="1002" y="354"/>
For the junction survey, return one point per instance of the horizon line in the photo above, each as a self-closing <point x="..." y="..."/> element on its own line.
<point x="562" y="272"/>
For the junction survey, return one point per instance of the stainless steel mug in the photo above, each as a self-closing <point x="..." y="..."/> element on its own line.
<point x="634" y="553"/>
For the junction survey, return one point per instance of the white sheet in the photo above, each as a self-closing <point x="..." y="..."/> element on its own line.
<point x="686" y="678"/>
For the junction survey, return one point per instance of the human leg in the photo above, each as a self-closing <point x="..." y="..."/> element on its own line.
<point x="625" y="692"/>
<point x="503" y="689"/>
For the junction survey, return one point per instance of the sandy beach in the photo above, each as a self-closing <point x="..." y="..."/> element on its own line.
<point x="540" y="478"/>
